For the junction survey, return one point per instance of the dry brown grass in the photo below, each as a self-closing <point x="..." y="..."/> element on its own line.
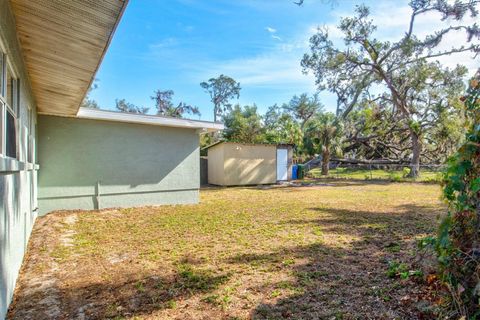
<point x="291" y="252"/>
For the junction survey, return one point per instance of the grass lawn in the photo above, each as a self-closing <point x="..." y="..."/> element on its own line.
<point x="342" y="250"/>
<point x="377" y="174"/>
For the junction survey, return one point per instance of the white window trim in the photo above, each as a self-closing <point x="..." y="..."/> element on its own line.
<point x="15" y="110"/>
<point x="15" y="123"/>
<point x="2" y="128"/>
<point x="30" y="156"/>
<point x="3" y="68"/>
<point x="3" y="108"/>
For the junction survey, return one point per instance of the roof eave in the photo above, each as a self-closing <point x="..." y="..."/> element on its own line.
<point x="112" y="33"/>
<point x="104" y="115"/>
<point x="63" y="44"/>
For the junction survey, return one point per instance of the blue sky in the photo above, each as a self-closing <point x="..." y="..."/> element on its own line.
<point x="176" y="44"/>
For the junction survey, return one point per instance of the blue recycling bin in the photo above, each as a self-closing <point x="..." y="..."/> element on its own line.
<point x="294" y="172"/>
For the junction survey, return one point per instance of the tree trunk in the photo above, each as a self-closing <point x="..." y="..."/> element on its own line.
<point x="325" y="162"/>
<point x="371" y="162"/>
<point x="215" y="112"/>
<point x="416" y="150"/>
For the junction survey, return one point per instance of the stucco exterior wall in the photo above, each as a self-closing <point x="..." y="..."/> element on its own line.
<point x="216" y="165"/>
<point x="17" y="176"/>
<point x="90" y="164"/>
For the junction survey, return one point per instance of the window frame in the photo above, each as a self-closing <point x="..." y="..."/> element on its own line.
<point x="3" y="109"/>
<point x="2" y="127"/>
<point x="3" y="82"/>
<point x="31" y="125"/>
<point x="15" y="125"/>
<point x="5" y="106"/>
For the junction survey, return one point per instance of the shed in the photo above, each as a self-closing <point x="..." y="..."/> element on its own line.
<point x="234" y="164"/>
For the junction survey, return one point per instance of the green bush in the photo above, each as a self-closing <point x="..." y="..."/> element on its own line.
<point x="458" y="241"/>
<point x="406" y="172"/>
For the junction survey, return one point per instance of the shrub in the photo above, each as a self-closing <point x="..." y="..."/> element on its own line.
<point x="458" y="241"/>
<point x="406" y="172"/>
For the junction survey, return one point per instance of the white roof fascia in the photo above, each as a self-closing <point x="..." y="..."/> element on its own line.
<point x="201" y="126"/>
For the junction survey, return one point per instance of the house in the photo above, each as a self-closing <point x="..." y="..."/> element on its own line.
<point x="234" y="164"/>
<point x="103" y="159"/>
<point x="82" y="158"/>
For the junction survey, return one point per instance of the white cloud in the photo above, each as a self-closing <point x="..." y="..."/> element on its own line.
<point x="278" y="67"/>
<point x="164" y="43"/>
<point x="274" y="69"/>
<point x="271" y="30"/>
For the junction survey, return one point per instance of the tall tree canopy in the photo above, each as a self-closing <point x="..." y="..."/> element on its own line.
<point x="376" y="129"/>
<point x="244" y="125"/>
<point x="285" y="130"/>
<point x="371" y="132"/>
<point x="166" y="107"/>
<point x="304" y="107"/>
<point x="221" y="90"/>
<point x="123" y="106"/>
<point x="363" y="64"/>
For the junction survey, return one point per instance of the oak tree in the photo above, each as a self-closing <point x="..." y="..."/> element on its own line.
<point x="365" y="64"/>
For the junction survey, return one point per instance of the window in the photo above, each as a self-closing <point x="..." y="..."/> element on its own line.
<point x="9" y="109"/>
<point x="2" y="128"/>
<point x="2" y="78"/>
<point x="10" y="135"/>
<point x="12" y="91"/>
<point x="10" y="88"/>
<point x="31" y="137"/>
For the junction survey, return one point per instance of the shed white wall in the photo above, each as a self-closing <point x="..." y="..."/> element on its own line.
<point x="216" y="165"/>
<point x="235" y="164"/>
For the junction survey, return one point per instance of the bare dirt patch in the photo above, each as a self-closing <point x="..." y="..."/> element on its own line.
<point x="338" y="251"/>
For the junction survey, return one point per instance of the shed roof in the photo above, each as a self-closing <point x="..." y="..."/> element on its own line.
<point x="63" y="43"/>
<point x="105" y="115"/>
<point x="249" y="144"/>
